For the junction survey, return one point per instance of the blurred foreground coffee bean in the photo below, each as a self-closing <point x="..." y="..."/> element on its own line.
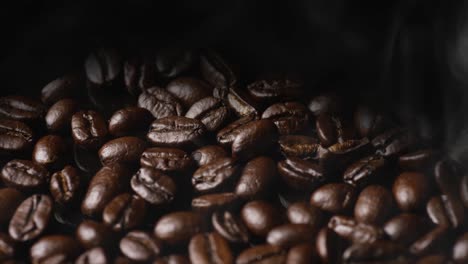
<point x="178" y="227"/>
<point x="260" y="217"/>
<point x="67" y="86"/>
<point x="60" y="114"/>
<point x="129" y="121"/>
<point x="140" y="246"/>
<point x="54" y="245"/>
<point x="24" y="175"/>
<point x="209" y="248"/>
<point x="21" y="108"/>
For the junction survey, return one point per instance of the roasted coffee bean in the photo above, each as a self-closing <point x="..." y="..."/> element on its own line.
<point x="304" y="213"/>
<point x="301" y="174"/>
<point x="379" y="251"/>
<point x="208" y="154"/>
<point x="405" y="228"/>
<point x="335" y="198"/>
<point x="274" y="90"/>
<point x="122" y="150"/>
<point x="65" y="185"/>
<point x="7" y="247"/>
<point x="434" y="259"/>
<point x="350" y="229"/>
<point x="254" y="139"/>
<point x="139" y="74"/>
<point x="54" y="245"/>
<point x="94" y="234"/>
<point x="124" y="212"/>
<point x="262" y="254"/>
<point x="210" y="111"/>
<point x="172" y="62"/>
<point x="464" y="190"/>
<point x="11" y="199"/>
<point x="241" y="103"/>
<point x="103" y="67"/>
<point x="411" y="190"/>
<point x="257" y="178"/>
<point x="289" y="235"/>
<point x="446" y="210"/>
<point x="209" y="203"/>
<point x="230" y="227"/>
<point x="188" y="90"/>
<point x="367" y="122"/>
<point x="228" y="134"/>
<point x="166" y="159"/>
<point x="160" y="103"/>
<point x="393" y="142"/>
<point x="216" y="71"/>
<point x="432" y="240"/>
<point x="140" y="246"/>
<point x="325" y="104"/>
<point x="329" y="246"/>
<point x="260" y="217"/>
<point x="302" y="147"/>
<point x="209" y="248"/>
<point x="95" y="255"/>
<point x="21" y="108"/>
<point x="448" y="176"/>
<point x="129" y="121"/>
<point x="50" y="151"/>
<point x="337" y="157"/>
<point x="59" y="115"/>
<point x="178" y="227"/>
<point x="89" y="129"/>
<point x="289" y="117"/>
<point x="31" y="218"/>
<point x="365" y="170"/>
<point x="172" y="259"/>
<point x="374" y="205"/>
<point x="153" y="186"/>
<point x="176" y="131"/>
<point x="302" y="254"/>
<point x="15" y="136"/>
<point x="86" y="160"/>
<point x="24" y="175"/>
<point x="418" y="160"/>
<point x="216" y="175"/>
<point x="460" y="249"/>
<point x="66" y="86"/>
<point x="105" y="185"/>
<point x="332" y="129"/>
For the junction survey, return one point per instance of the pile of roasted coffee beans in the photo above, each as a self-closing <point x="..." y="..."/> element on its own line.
<point x="174" y="158"/>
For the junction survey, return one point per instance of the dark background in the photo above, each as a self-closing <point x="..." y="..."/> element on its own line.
<point x="410" y="57"/>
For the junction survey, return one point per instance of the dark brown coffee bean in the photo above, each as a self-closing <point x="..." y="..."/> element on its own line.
<point x="66" y="86"/>
<point x="208" y="154"/>
<point x="230" y="227"/>
<point x="172" y="259"/>
<point x="337" y="157"/>
<point x="304" y="213"/>
<point x="15" y="137"/>
<point x="350" y="229"/>
<point x="430" y="241"/>
<point x="7" y="247"/>
<point x="434" y="259"/>
<point x="367" y="122"/>
<point x="124" y="212"/>
<point x="176" y="131"/>
<point x="325" y="104"/>
<point x="129" y="121"/>
<point x="374" y="205"/>
<point x="139" y="74"/>
<point x="215" y="175"/>
<point x="153" y="186"/>
<point x="335" y="198"/>
<point x="262" y="254"/>
<point x="216" y="71"/>
<point x="11" y="199"/>
<point x="289" y="117"/>
<point x="460" y="249"/>
<point x="228" y="134"/>
<point x="178" y="227"/>
<point x="289" y="235"/>
<point x="209" y="203"/>
<point x="301" y="174"/>
<point x="166" y="159"/>
<point x="59" y="115"/>
<point x="418" y="160"/>
<point x="160" y="103"/>
<point x="122" y="150"/>
<point x="105" y="185"/>
<point x="379" y="251"/>
<point x="95" y="255"/>
<point x="188" y="90"/>
<point x="448" y="176"/>
<point x="65" y="185"/>
<point x="241" y="103"/>
<point x="89" y="129"/>
<point x="210" y="111"/>
<point x="172" y="62"/>
<point x="24" y="175"/>
<point x="209" y="248"/>
<point x="405" y="228"/>
<point x="103" y="67"/>
<point x="446" y="210"/>
<point x="464" y="190"/>
<point x="31" y="218"/>
<point x="254" y="139"/>
<point x="260" y="217"/>
<point x="50" y="151"/>
<point x="94" y="234"/>
<point x="274" y="90"/>
<point x="302" y="147"/>
<point x="329" y="246"/>
<point x="302" y="254"/>
<point x="140" y="246"/>
<point x="53" y="245"/>
<point x="365" y="170"/>
<point x="393" y="142"/>
<point x="332" y="129"/>
<point x="411" y="190"/>
<point x="21" y="108"/>
<point x="257" y="178"/>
